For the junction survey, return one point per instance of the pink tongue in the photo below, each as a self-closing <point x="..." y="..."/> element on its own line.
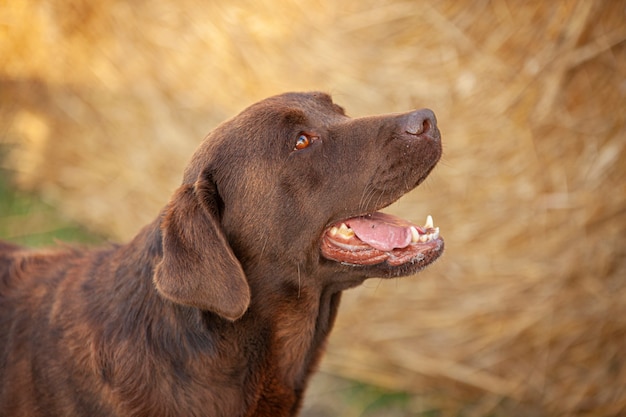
<point x="382" y="231"/>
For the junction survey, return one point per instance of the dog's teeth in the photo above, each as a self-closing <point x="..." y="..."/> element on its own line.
<point x="429" y="222"/>
<point x="333" y="231"/>
<point x="415" y="236"/>
<point x="345" y="231"/>
<point x="436" y="233"/>
<point x="424" y="238"/>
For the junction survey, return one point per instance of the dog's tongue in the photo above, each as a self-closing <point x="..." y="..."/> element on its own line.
<point x="381" y="231"/>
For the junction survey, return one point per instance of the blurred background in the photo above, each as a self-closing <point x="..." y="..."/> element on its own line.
<point x="102" y="104"/>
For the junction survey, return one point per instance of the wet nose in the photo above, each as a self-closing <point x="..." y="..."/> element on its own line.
<point x="421" y="122"/>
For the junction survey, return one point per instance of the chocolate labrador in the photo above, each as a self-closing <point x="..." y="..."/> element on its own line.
<point x="222" y="305"/>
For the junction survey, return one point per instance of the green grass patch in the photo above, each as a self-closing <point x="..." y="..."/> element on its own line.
<point x="26" y="220"/>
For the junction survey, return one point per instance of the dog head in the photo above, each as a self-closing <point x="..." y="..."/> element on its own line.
<point x="293" y="183"/>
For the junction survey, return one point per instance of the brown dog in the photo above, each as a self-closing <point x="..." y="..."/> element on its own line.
<point x="221" y="306"/>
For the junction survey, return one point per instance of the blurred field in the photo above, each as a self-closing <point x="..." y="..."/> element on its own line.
<point x="102" y="103"/>
<point x="25" y="220"/>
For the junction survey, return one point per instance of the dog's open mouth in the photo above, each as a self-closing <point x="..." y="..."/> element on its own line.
<point x="379" y="238"/>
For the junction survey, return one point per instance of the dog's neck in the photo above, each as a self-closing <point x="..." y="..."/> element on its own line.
<point x="299" y="319"/>
<point x="293" y="320"/>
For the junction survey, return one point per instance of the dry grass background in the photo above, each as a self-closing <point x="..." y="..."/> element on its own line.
<point x="102" y="103"/>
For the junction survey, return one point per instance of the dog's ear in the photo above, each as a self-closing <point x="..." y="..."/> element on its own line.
<point x="199" y="267"/>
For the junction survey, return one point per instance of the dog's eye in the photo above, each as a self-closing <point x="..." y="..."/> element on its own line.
<point x="302" y="142"/>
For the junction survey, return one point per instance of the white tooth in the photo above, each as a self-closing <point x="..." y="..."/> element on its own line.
<point x="429" y="222"/>
<point x="415" y="236"/>
<point x="345" y="231"/>
<point x="423" y="238"/>
<point x="436" y="233"/>
<point x="333" y="231"/>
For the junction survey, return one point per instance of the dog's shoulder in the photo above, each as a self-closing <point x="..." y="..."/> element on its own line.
<point x="21" y="266"/>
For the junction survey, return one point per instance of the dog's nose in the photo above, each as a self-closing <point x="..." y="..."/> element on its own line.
<point x="421" y="122"/>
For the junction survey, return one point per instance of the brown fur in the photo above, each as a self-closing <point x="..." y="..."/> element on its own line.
<point x="221" y="306"/>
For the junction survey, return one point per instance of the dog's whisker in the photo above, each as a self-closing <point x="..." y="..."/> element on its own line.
<point x="367" y="198"/>
<point x="363" y="196"/>
<point x="380" y="281"/>
<point x="380" y="196"/>
<point x="371" y="196"/>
